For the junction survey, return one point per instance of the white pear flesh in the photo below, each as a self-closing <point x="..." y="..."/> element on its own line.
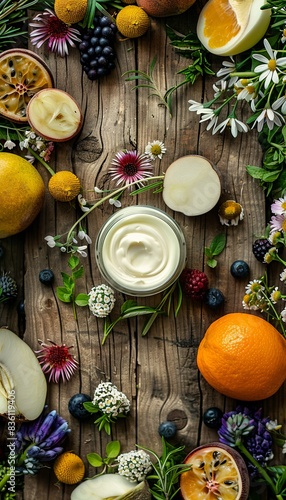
<point x="191" y="185"/>
<point x="54" y="115"/>
<point x="108" y="486"/>
<point x="20" y="372"/>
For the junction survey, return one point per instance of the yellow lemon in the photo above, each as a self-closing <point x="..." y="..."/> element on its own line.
<point x="22" y="192"/>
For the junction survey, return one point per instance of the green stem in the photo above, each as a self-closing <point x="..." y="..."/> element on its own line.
<point x="105" y="198"/>
<point x="260" y="469"/>
<point x="4" y="480"/>
<point x="43" y="162"/>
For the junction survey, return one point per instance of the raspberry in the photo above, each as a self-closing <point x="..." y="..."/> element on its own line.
<point x="260" y="248"/>
<point x="194" y="283"/>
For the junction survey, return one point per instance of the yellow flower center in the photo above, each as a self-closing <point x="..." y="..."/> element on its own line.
<point x="156" y="149"/>
<point x="272" y="64"/>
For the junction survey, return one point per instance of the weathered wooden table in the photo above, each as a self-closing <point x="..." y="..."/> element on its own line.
<point x="157" y="372"/>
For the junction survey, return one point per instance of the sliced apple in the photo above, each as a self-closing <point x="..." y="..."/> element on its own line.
<point x="22" y="382"/>
<point x="109" y="486"/>
<point x="54" y="115"/>
<point x="191" y="185"/>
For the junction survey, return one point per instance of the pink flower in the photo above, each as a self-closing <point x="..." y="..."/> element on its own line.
<point x="278" y="223"/>
<point x="129" y="166"/>
<point x="279" y="206"/>
<point x="49" y="28"/>
<point x="57" y="361"/>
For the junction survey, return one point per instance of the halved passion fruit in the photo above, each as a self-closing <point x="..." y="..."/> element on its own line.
<point x="22" y="75"/>
<point x="218" y="473"/>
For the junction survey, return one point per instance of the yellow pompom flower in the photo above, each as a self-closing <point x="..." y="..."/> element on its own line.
<point x="132" y="21"/>
<point x="70" y="11"/>
<point x="69" y="468"/>
<point x="64" y="186"/>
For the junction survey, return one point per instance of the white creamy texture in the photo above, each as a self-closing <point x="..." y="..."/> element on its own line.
<point x="141" y="252"/>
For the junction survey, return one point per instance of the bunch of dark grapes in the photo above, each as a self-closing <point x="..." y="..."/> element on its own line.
<point x="97" y="53"/>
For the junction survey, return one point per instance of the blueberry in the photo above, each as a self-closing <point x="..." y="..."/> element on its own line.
<point x="167" y="429"/>
<point x="239" y="269"/>
<point x="76" y="407"/>
<point x="212" y="417"/>
<point x="46" y="276"/>
<point x="214" y="298"/>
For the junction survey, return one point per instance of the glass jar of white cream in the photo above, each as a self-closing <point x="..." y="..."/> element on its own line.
<point x="140" y="250"/>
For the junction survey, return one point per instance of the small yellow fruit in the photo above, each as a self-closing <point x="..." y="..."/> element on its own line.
<point x="22" y="193"/>
<point x="64" y="186"/>
<point x="70" y="11"/>
<point x="132" y="21"/>
<point x="69" y="468"/>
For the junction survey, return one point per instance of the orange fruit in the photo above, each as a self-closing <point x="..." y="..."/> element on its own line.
<point x="230" y="27"/>
<point x="218" y="471"/>
<point x="243" y="357"/>
<point x="22" y="192"/>
<point x="22" y="75"/>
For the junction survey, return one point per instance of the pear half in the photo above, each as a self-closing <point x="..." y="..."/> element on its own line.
<point x="109" y="486"/>
<point x="23" y="385"/>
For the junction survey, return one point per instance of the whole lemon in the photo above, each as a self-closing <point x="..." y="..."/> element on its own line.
<point x="22" y="192"/>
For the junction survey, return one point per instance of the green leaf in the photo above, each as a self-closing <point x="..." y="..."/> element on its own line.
<point x="81" y="299"/>
<point x="73" y="262"/>
<point x="90" y="407"/>
<point x="68" y="281"/>
<point x="94" y="459"/>
<point x="218" y="244"/>
<point x="78" y="273"/>
<point x="113" y="449"/>
<point x="127" y="304"/>
<point x="63" y="294"/>
<point x="212" y="263"/>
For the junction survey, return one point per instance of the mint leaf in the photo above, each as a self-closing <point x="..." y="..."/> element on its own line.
<point x="113" y="449"/>
<point x="94" y="459"/>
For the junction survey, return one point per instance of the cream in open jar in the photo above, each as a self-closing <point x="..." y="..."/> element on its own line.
<point x="140" y="250"/>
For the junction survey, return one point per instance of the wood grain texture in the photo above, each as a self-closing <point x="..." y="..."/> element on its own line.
<point x="157" y="372"/>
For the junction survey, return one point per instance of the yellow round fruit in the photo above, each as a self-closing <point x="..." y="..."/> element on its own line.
<point x="217" y="471"/>
<point x="70" y="11"/>
<point x="243" y="357"/>
<point x="22" y="75"/>
<point x="229" y="28"/>
<point x="64" y="186"/>
<point x="132" y="21"/>
<point x="22" y="193"/>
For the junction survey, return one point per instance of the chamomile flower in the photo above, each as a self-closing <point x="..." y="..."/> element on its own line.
<point x="270" y="67"/>
<point x="155" y="149"/>
<point x="283" y="275"/>
<point x="233" y="124"/>
<point x="278" y="207"/>
<point x="269" y="117"/>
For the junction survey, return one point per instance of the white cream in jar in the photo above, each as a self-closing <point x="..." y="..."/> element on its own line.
<point x="140" y="250"/>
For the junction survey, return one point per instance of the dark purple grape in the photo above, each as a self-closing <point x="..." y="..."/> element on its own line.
<point x="94" y="41"/>
<point x="97" y="31"/>
<point x="93" y="64"/>
<point x="107" y="51"/>
<point x="92" y="74"/>
<point x="104" y="21"/>
<point x="107" y="32"/>
<point x="98" y="50"/>
<point x="102" y="61"/>
<point x="103" y="42"/>
<point x="83" y="45"/>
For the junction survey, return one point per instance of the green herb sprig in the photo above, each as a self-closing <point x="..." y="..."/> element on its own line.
<point x="66" y="293"/>
<point x="101" y="6"/>
<point x="216" y="247"/>
<point x="112" y="451"/>
<point x="131" y="309"/>
<point x="167" y="468"/>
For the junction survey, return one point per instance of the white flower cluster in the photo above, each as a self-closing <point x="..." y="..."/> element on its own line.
<point x="109" y="400"/>
<point x="134" y="465"/>
<point x="101" y="300"/>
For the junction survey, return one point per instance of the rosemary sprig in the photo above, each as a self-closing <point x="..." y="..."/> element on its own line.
<point x="166" y="471"/>
<point x="150" y="83"/>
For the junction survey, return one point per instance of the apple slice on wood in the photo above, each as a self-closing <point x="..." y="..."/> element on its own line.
<point x="22" y="382"/>
<point x="191" y="185"/>
<point x="54" y="115"/>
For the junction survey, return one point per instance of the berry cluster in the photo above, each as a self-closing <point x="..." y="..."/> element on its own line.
<point x="97" y="53"/>
<point x="195" y="284"/>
